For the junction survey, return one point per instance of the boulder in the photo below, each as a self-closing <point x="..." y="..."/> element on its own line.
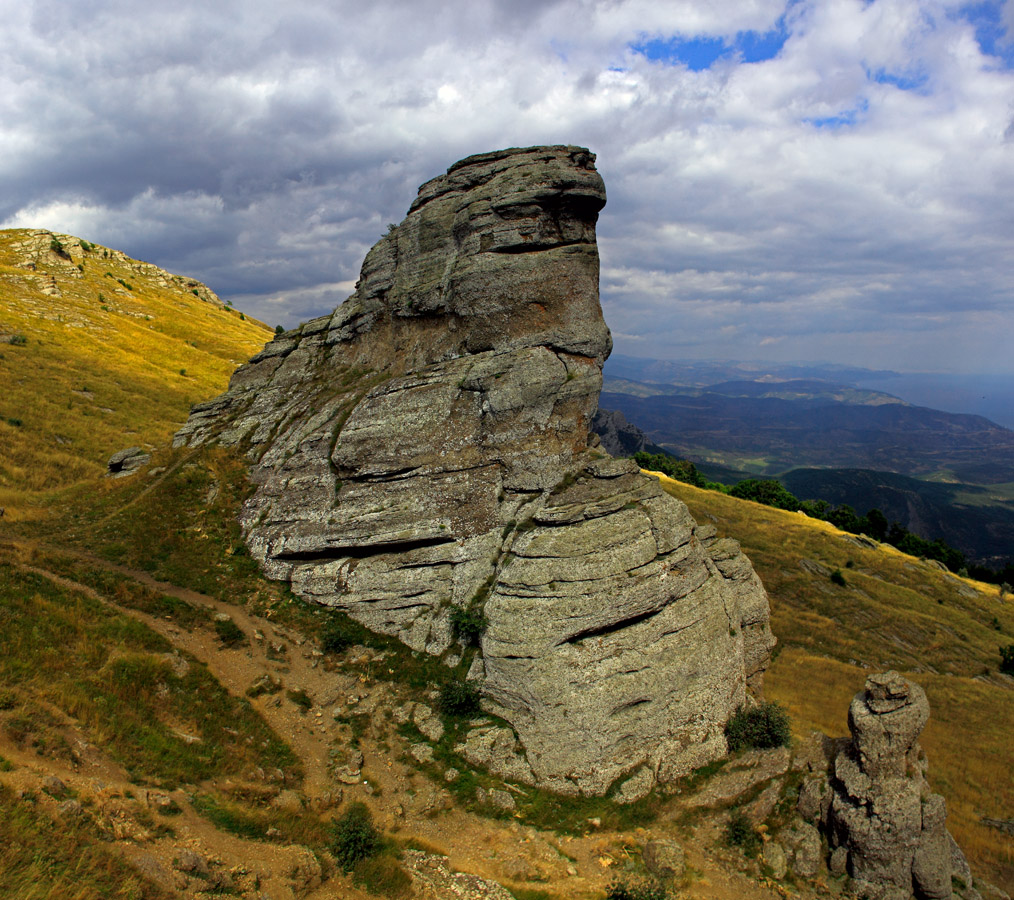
<point x="664" y="859"/>
<point x="127" y="462"/>
<point x="773" y="856"/>
<point x="884" y="817"/>
<point x="801" y="841"/>
<point x="192" y="863"/>
<point x="54" y="786"/>
<point x="427" y="446"/>
<point x="637" y="787"/>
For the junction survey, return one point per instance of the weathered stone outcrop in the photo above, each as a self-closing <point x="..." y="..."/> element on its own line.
<point x="618" y="436"/>
<point x="884" y="823"/>
<point x="427" y="447"/>
<point x="127" y="462"/>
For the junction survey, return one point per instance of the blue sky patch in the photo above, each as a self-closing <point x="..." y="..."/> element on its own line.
<point x="699" y="53"/>
<point x="844" y="119"/>
<point x="696" y="54"/>
<point x="905" y="81"/>
<point x="990" y="32"/>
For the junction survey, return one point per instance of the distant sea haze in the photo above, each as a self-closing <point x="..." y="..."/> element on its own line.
<point x="991" y="396"/>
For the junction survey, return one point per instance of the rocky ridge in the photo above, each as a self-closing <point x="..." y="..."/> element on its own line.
<point x="54" y="256"/>
<point x="426" y="448"/>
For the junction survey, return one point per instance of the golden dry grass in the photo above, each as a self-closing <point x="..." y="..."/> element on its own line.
<point x="99" y="352"/>
<point x="894" y="612"/>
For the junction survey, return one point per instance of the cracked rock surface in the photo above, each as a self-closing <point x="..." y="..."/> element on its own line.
<point x="427" y="446"/>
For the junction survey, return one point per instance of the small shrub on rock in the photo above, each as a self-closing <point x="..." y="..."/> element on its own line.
<point x="761" y="727"/>
<point x="354" y="837"/>
<point x="741" y="833"/>
<point x="458" y="698"/>
<point x="468" y="624"/>
<point x="837" y="578"/>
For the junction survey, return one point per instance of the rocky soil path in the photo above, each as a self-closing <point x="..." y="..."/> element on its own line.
<point x="404" y="801"/>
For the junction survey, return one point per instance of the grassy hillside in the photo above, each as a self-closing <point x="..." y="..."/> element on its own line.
<point x="99" y="352"/>
<point x="894" y="611"/>
<point x="206" y="709"/>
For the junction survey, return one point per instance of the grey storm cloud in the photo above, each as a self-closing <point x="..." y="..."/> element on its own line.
<point x="842" y="195"/>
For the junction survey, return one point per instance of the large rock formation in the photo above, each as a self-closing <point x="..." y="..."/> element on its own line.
<point x="426" y="447"/>
<point x="885" y="826"/>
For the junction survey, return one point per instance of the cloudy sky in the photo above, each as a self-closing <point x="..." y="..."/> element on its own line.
<point x="788" y="179"/>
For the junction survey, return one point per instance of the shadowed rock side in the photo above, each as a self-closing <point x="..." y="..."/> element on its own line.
<point x="426" y="447"/>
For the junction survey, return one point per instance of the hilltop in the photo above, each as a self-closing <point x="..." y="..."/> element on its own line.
<point x="99" y="351"/>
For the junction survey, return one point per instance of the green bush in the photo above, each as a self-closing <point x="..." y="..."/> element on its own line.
<point x="18" y="340"/>
<point x="1007" y="659"/>
<point x="229" y="633"/>
<point x="766" y="491"/>
<point x="354" y="837"/>
<point x="677" y="469"/>
<point x="458" y="698"/>
<point x="620" y="889"/>
<point x="468" y="624"/>
<point x="334" y="637"/>
<point x="761" y="727"/>
<point x="741" y="833"/>
<point x="837" y="578"/>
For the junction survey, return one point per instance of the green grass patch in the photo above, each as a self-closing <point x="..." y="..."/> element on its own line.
<point x="232" y="818"/>
<point x="158" y="713"/>
<point x="120" y="589"/>
<point x="622" y="889"/>
<point x="458" y="698"/>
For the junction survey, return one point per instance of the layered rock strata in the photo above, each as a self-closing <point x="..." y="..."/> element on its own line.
<point x="426" y="447"/>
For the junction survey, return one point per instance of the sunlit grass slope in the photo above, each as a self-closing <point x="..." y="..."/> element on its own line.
<point x="894" y="611"/>
<point x="99" y="352"/>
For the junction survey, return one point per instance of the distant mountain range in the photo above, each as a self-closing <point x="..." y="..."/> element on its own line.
<point x="770" y="434"/>
<point x="940" y="474"/>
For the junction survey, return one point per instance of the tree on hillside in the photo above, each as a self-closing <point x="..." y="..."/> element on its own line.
<point x="876" y="524"/>
<point x="766" y="491"/>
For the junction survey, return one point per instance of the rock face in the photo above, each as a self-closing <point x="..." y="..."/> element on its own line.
<point x="882" y="814"/>
<point x="427" y="447"/>
<point x="618" y="436"/>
